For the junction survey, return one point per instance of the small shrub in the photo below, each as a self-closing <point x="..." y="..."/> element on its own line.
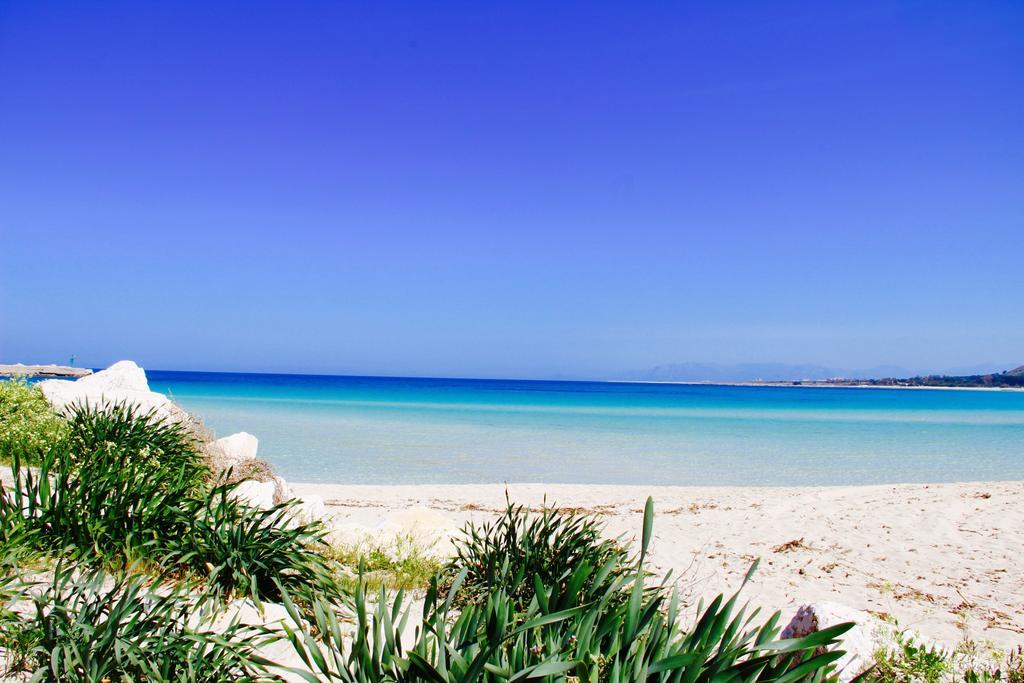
<point x="142" y="439"/>
<point x="520" y="549"/>
<point x="28" y="424"/>
<point x="910" y="662"/>
<point x="239" y="550"/>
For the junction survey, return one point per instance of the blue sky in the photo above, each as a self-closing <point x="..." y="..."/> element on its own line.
<point x="511" y="189"/>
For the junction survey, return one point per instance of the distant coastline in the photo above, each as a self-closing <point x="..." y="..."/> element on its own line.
<point x="820" y="384"/>
<point x="995" y="381"/>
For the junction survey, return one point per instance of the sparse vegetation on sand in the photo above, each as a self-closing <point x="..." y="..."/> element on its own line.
<point x="908" y="660"/>
<point x="404" y="563"/>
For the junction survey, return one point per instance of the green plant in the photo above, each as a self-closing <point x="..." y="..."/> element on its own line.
<point x="103" y="497"/>
<point x="993" y="666"/>
<point x="600" y="638"/>
<point x="143" y="439"/>
<point x="91" y="627"/>
<point x="910" y="662"/>
<point x="519" y="549"/>
<point x="402" y="564"/>
<point x="109" y="509"/>
<point x="28" y="424"/>
<point x="240" y="550"/>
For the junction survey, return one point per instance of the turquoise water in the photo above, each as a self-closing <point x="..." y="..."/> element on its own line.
<point x="396" y="430"/>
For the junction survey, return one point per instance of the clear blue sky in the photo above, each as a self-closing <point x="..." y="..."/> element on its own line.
<point x="511" y="189"/>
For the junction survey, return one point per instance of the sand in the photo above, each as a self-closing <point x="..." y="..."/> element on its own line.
<point x="942" y="559"/>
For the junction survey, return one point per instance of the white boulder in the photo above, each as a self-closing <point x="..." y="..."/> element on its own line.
<point x="238" y="447"/>
<point x="859" y="643"/>
<point x="258" y="494"/>
<point x="122" y="375"/>
<point x="311" y="508"/>
<point x="123" y="382"/>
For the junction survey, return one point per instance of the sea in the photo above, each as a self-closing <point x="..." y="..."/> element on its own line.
<point x="376" y="430"/>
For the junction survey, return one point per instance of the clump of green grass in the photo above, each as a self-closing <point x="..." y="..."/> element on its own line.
<point x="239" y="550"/>
<point x="91" y="627"/>
<point x="143" y="438"/>
<point x="519" y="550"/>
<point x="405" y="564"/>
<point x="28" y="424"/>
<point x="125" y="489"/>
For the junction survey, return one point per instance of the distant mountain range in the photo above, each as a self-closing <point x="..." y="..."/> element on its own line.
<point x="782" y="372"/>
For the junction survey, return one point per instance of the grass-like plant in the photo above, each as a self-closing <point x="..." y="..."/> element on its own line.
<point x="28" y="424"/>
<point x="241" y="550"/>
<point x="143" y="438"/>
<point x="92" y="627"/>
<point x="563" y="551"/>
<point x="126" y="490"/>
<point x="601" y="638"/>
<point x="106" y="508"/>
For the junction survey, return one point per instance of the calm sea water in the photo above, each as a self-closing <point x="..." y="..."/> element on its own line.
<point x="380" y="430"/>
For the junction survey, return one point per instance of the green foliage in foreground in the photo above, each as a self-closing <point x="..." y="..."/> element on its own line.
<point x="142" y="439"/>
<point x="91" y="627"/>
<point x="28" y="424"/>
<point x="614" y="630"/>
<point x="128" y="490"/>
<point x="519" y="551"/>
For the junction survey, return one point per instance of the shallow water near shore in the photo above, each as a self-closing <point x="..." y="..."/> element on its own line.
<point x="406" y="431"/>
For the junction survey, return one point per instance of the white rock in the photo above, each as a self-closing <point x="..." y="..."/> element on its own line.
<point x="859" y="643"/>
<point x="124" y="374"/>
<point x="123" y="381"/>
<point x="238" y="447"/>
<point x="258" y="494"/>
<point x="311" y="508"/>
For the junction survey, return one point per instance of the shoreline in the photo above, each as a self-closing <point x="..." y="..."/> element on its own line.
<point x="938" y="558"/>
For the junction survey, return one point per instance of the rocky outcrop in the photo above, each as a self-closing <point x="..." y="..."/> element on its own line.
<point x="123" y="381"/>
<point x="22" y="370"/>
<point x="859" y="643"/>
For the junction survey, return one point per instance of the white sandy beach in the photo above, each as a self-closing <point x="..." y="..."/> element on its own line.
<point x="940" y="558"/>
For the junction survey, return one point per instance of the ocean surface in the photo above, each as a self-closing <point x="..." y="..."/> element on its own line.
<point x="399" y="430"/>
